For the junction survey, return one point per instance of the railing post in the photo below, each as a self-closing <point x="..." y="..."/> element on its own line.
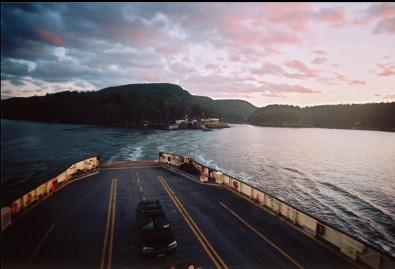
<point x="5" y="217"/>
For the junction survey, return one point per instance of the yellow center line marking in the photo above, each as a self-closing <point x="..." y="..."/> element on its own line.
<point x="109" y="224"/>
<point x="112" y="223"/>
<point x="262" y="236"/>
<point x="219" y="263"/>
<point x="39" y="245"/>
<point x="189" y="224"/>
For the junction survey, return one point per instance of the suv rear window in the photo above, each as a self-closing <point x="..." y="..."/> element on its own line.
<point x="155" y="223"/>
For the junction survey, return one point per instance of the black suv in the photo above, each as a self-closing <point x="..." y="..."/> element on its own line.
<point x="155" y="233"/>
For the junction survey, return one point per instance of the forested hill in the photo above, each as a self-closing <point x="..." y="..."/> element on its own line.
<point x="157" y="103"/>
<point x="161" y="103"/>
<point x="373" y="116"/>
<point x="235" y="111"/>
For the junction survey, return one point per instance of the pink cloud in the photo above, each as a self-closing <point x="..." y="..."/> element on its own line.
<point x="303" y="69"/>
<point x="182" y="69"/>
<point x="284" y="88"/>
<point x="381" y="10"/>
<point x="50" y="37"/>
<point x="238" y="85"/>
<point x="235" y="57"/>
<point x="297" y="16"/>
<point x="385" y="26"/>
<point x="387" y="73"/>
<point x="267" y="26"/>
<point x="240" y="36"/>
<point x="350" y="82"/>
<point x="282" y="37"/>
<point x="389" y="96"/>
<point x="249" y="53"/>
<point x="319" y="60"/>
<point x="213" y="67"/>
<point x="142" y="36"/>
<point x="320" y="52"/>
<point x="293" y="15"/>
<point x="356" y="82"/>
<point x="386" y="69"/>
<point x="274" y="95"/>
<point x="336" y="16"/>
<point x="268" y="68"/>
<point x="172" y="49"/>
<point x="380" y="14"/>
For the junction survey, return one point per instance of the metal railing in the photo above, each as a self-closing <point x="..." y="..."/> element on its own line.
<point x="24" y="202"/>
<point x="340" y="241"/>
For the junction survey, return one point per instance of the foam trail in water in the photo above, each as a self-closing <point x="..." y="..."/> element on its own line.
<point x="136" y="154"/>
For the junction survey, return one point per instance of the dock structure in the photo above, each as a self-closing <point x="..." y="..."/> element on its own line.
<point x="91" y="224"/>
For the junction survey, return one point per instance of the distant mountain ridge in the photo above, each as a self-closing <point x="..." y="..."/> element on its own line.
<point x="371" y="116"/>
<point x="132" y="104"/>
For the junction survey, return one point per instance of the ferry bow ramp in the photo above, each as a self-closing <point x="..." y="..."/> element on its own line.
<point x="86" y="218"/>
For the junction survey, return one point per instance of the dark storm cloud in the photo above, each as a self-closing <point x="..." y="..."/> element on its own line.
<point x="15" y="68"/>
<point x="26" y="29"/>
<point x="102" y="40"/>
<point x="95" y="37"/>
<point x="15" y="80"/>
<point x="92" y="46"/>
<point x="75" y="25"/>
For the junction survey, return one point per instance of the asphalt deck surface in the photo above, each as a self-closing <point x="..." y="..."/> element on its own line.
<point x="71" y="228"/>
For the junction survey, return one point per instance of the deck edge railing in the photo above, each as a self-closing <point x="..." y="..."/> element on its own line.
<point x="47" y="188"/>
<point x="348" y="245"/>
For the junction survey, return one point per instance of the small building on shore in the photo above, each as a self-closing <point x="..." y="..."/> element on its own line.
<point x="213" y="123"/>
<point x="178" y="122"/>
<point x="210" y="120"/>
<point x="173" y="126"/>
<point x="204" y="124"/>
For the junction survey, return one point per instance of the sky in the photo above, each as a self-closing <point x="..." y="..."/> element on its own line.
<point x="265" y="53"/>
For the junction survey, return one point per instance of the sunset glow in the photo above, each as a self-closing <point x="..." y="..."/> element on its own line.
<point x="265" y="53"/>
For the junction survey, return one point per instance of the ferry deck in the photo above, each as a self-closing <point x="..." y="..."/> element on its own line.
<point x="90" y="223"/>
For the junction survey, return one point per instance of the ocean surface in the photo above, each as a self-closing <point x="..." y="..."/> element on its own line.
<point x="345" y="177"/>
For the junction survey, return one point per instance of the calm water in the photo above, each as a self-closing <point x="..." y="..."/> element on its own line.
<point x="345" y="177"/>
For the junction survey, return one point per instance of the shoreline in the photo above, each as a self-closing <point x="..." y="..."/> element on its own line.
<point x="131" y="126"/>
<point x="315" y="127"/>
